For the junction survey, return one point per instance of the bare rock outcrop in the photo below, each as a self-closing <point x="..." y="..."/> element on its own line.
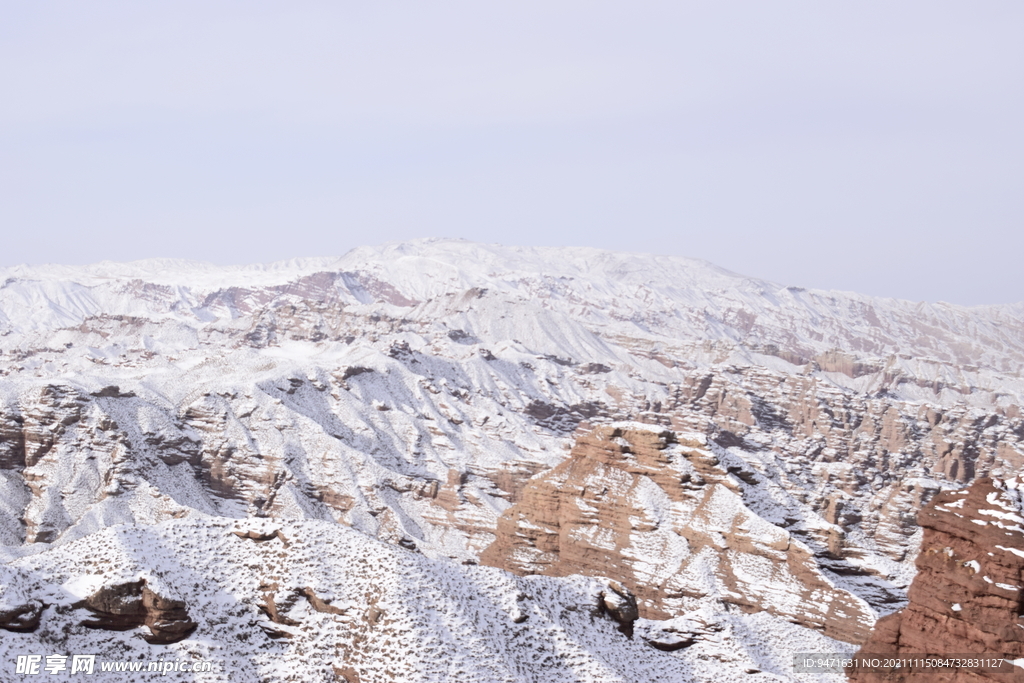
<point x="284" y="608"/>
<point x="124" y="606"/>
<point x="619" y="603"/>
<point x="19" y="612"/>
<point x="670" y="521"/>
<point x="22" y="616"/>
<point x="262" y="536"/>
<point x="681" y="632"/>
<point x="882" y="456"/>
<point x="968" y="595"/>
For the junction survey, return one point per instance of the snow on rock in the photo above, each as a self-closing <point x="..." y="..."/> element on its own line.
<point x="315" y="601"/>
<point x="668" y="519"/>
<point x="419" y="393"/>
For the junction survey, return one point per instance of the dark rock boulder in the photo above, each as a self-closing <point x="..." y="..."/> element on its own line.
<point x="21" y="618"/>
<point x="18" y="611"/>
<point x="619" y="603"/>
<point x="124" y="606"/>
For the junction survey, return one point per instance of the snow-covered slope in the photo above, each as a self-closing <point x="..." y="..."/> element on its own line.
<point x="318" y="602"/>
<point x="414" y="392"/>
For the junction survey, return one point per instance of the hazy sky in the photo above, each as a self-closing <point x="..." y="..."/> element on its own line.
<point x="868" y="146"/>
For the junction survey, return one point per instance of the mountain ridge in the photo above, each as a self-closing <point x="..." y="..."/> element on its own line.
<point x="308" y="265"/>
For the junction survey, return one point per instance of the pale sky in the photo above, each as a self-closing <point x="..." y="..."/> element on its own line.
<point x="867" y="146"/>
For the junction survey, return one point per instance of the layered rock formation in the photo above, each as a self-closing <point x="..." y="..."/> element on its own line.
<point x="968" y="595"/>
<point x="861" y="463"/>
<point x="130" y="605"/>
<point x="670" y="519"/>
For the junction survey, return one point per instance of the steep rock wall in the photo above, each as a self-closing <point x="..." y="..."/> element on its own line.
<point x="968" y="595"/>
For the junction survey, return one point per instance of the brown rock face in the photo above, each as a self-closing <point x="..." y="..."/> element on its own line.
<point x="669" y="520"/>
<point x="884" y="456"/>
<point x="277" y="605"/>
<point x="968" y="596"/>
<point x="23" y="618"/>
<point x="125" y="606"/>
<point x="261" y="537"/>
<point x="167" y="619"/>
<point x="545" y="532"/>
<point x="116" y="608"/>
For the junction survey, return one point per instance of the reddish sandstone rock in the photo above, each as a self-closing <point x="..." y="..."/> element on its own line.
<point x="669" y="521"/>
<point x="967" y="597"/>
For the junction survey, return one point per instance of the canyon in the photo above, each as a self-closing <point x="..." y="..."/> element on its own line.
<point x="704" y="469"/>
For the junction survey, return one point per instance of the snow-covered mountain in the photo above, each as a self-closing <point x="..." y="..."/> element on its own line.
<point x="669" y="303"/>
<point x="440" y="404"/>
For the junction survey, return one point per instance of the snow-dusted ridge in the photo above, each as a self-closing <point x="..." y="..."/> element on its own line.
<point x="201" y="275"/>
<point x="664" y="300"/>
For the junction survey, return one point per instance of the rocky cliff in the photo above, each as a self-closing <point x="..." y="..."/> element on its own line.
<point x="968" y="595"/>
<point x="674" y="521"/>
